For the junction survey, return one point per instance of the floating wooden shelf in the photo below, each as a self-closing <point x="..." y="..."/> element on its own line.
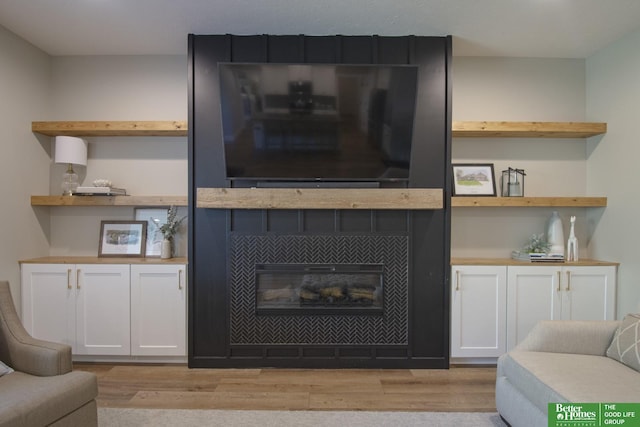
<point x="527" y="129"/>
<point x="108" y="201"/>
<point x="113" y="128"/>
<point x="473" y="129"/>
<point x="322" y="198"/>
<point x="584" y="202"/>
<point x="319" y="198"/>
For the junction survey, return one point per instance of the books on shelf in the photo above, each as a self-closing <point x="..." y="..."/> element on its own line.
<point x="537" y="257"/>
<point x="100" y="191"/>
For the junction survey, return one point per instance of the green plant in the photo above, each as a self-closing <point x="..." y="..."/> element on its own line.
<point x="169" y="228"/>
<point x="537" y="244"/>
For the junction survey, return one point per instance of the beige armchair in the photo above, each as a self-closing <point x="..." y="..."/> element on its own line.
<point x="43" y="390"/>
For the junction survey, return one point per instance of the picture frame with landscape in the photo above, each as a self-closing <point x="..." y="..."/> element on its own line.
<point x="122" y="238"/>
<point x="474" y="179"/>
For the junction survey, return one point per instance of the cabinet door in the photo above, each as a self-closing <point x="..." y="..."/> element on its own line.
<point x="102" y="309"/>
<point x="533" y="294"/>
<point x="478" y="310"/>
<point x="589" y="293"/>
<point x="48" y="301"/>
<point x="158" y="310"/>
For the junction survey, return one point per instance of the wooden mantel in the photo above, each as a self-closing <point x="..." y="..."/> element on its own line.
<point x="320" y="198"/>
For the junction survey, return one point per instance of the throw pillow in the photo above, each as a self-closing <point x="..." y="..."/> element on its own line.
<point x="4" y="369"/>
<point x="625" y="346"/>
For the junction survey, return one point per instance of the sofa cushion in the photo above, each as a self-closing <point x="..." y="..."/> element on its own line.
<point x="27" y="400"/>
<point x="560" y="377"/>
<point x="625" y="346"/>
<point x="4" y="369"/>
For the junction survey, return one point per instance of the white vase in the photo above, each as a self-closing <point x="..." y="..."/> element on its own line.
<point x="555" y="235"/>
<point x="166" y="250"/>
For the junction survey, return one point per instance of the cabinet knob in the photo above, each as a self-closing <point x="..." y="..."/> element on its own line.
<point x="180" y="279"/>
<point x="457" y="280"/>
<point x="559" y="280"/>
<point x="568" y="281"/>
<point x="69" y="279"/>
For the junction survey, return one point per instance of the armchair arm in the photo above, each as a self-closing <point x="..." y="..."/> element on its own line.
<point x="23" y="352"/>
<point x="591" y="337"/>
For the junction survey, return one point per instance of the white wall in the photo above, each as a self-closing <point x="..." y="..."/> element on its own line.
<point x="24" y="159"/>
<point x="119" y="88"/>
<point x="519" y="89"/>
<point x="613" y="95"/>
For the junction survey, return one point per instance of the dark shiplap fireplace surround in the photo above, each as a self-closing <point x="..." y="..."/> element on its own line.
<point x="231" y="248"/>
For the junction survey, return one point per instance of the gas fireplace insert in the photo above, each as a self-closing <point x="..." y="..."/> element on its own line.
<point x="319" y="288"/>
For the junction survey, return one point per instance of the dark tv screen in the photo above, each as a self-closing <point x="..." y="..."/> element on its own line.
<point x="317" y="122"/>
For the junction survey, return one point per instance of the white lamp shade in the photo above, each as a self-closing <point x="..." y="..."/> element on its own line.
<point x="70" y="149"/>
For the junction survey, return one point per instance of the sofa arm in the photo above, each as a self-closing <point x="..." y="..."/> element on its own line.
<point x="21" y="351"/>
<point x="591" y="337"/>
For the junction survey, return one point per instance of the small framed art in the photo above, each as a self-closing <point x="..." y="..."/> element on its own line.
<point x="154" y="218"/>
<point x="473" y="179"/>
<point x="122" y="238"/>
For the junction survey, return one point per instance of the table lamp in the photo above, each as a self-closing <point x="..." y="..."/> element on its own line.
<point x="72" y="151"/>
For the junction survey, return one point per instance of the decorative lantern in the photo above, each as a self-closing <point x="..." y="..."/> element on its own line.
<point x="512" y="182"/>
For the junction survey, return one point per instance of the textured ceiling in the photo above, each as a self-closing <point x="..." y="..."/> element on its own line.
<point x="529" y="28"/>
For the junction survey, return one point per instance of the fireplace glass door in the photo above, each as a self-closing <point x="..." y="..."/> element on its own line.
<point x="319" y="288"/>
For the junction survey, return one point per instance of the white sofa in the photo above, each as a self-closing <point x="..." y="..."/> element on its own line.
<point x="562" y="361"/>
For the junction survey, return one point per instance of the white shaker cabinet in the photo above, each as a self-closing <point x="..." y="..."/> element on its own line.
<point x="589" y="293"/>
<point x="496" y="302"/>
<point x="557" y="292"/>
<point x="158" y="310"/>
<point x="478" y="311"/>
<point x="83" y="305"/>
<point x="103" y="309"/>
<point x="49" y="302"/>
<point x="532" y="296"/>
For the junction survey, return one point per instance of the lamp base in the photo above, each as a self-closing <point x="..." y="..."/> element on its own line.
<point x="69" y="181"/>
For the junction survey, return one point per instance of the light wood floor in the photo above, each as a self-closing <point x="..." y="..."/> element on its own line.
<point x="459" y="389"/>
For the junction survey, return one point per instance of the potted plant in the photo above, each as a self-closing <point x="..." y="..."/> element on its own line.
<point x="168" y="230"/>
<point x="537" y="245"/>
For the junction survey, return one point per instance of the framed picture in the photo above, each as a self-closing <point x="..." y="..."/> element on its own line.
<point x="122" y="238"/>
<point x="153" y="217"/>
<point x="473" y="179"/>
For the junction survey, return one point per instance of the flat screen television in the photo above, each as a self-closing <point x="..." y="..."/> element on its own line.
<point x="317" y="121"/>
